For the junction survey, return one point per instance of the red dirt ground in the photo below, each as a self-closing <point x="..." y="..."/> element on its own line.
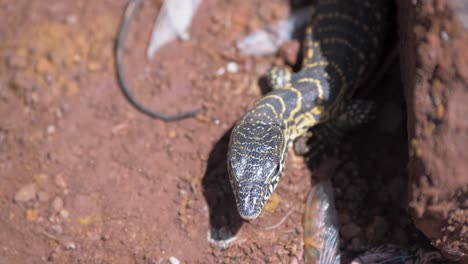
<point x="435" y="74"/>
<point x="84" y="178"/>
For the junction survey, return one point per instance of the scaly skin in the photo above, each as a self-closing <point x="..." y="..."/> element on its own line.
<point x="342" y="45"/>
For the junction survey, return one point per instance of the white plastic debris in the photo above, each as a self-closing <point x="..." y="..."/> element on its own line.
<point x="269" y="39"/>
<point x="173" y="21"/>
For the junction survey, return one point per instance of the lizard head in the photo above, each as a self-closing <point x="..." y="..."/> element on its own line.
<point x="256" y="156"/>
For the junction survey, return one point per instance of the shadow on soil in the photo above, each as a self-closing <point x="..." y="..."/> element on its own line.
<point x="225" y="222"/>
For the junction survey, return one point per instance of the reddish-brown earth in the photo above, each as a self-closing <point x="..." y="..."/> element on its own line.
<point x="84" y="178"/>
<point x="434" y="44"/>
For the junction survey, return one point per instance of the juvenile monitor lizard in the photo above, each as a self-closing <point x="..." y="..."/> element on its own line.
<point x="343" y="44"/>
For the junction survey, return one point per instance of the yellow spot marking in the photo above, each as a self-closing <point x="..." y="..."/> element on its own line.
<point x="293" y="132"/>
<point x="316" y="64"/>
<point x="283" y="105"/>
<point x="319" y="88"/>
<point x="310" y="53"/>
<point x="317" y="110"/>
<point x="311" y="119"/>
<point x="298" y="106"/>
<point x="306" y="121"/>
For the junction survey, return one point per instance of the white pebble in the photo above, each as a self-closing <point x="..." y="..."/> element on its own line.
<point x="50" y="129"/>
<point x="71" y="19"/>
<point x="64" y="213"/>
<point x="70" y="245"/>
<point x="220" y="71"/>
<point x="26" y="193"/>
<point x="57" y="204"/>
<point x="174" y="260"/>
<point x="444" y="35"/>
<point x="232" y="67"/>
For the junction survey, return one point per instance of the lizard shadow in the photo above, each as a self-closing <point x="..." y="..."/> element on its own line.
<point x="225" y="221"/>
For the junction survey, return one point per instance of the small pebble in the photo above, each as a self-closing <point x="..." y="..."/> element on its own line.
<point x="232" y="67"/>
<point x="172" y="134"/>
<point x="220" y="71"/>
<point x="32" y="215"/>
<point x="56" y="229"/>
<point x="60" y="181"/>
<point x="94" y="66"/>
<point x="43" y="196"/>
<point x="52" y="256"/>
<point x="68" y="243"/>
<point x="64" y="213"/>
<point x="71" y="19"/>
<point x="44" y="66"/>
<point x="41" y="178"/>
<point x="444" y="35"/>
<point x="26" y="193"/>
<point x="51" y="129"/>
<point x="174" y="260"/>
<point x="57" y="204"/>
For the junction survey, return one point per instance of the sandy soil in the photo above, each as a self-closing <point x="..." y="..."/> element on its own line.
<point x="84" y="178"/>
